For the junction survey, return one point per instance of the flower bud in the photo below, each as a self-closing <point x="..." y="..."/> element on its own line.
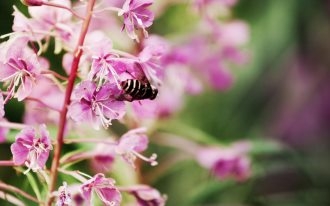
<point x="33" y="2"/>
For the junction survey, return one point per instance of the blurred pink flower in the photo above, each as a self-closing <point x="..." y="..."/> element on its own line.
<point x="232" y="36"/>
<point x="133" y="142"/>
<point x="63" y="196"/>
<point x="31" y="150"/>
<point x="170" y="97"/>
<point x="202" y="3"/>
<point x="150" y="58"/>
<point x="136" y="16"/>
<point x="104" y="188"/>
<point x="146" y="195"/>
<point x="32" y="2"/>
<point x="227" y="162"/>
<point x="96" y="106"/>
<point x="103" y="157"/>
<point x="19" y="67"/>
<point x="218" y="76"/>
<point x="47" y="21"/>
<point x="48" y="111"/>
<point x="106" y="65"/>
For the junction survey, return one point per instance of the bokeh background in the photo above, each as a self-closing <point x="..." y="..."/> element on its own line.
<point x="282" y="95"/>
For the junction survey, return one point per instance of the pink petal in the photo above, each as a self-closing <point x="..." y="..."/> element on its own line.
<point x="19" y="152"/>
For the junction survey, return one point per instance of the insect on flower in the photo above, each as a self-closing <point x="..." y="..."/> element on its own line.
<point x="138" y="88"/>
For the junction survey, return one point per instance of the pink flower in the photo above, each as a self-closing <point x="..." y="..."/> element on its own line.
<point x="31" y="150"/>
<point x="47" y="21"/>
<point x="177" y="82"/>
<point x="103" y="157"/>
<point x="233" y="33"/>
<point x="106" y="65"/>
<point x="214" y="4"/>
<point x="150" y="58"/>
<point x="136" y="16"/>
<point x="32" y="2"/>
<point x="63" y="196"/>
<point x="169" y="101"/>
<point x="106" y="68"/>
<point x="19" y="67"/>
<point x="218" y="76"/>
<point x="133" y="142"/>
<point x="96" y="106"/>
<point x="51" y="97"/>
<point x="232" y="36"/>
<point x="104" y="188"/>
<point x="146" y="195"/>
<point x="227" y="162"/>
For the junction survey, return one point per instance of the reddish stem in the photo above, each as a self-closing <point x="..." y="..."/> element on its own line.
<point x="62" y="7"/>
<point x="55" y="74"/>
<point x="71" y="81"/>
<point x="4" y="186"/>
<point x="7" y="163"/>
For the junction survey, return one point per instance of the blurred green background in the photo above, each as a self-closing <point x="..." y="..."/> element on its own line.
<point x="283" y="94"/>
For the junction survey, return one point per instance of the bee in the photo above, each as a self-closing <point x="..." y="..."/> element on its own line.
<point x="137" y="89"/>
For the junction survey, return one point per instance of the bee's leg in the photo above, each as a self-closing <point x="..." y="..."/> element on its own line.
<point x="124" y="97"/>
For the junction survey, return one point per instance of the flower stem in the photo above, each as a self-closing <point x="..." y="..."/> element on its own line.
<point x="55" y="74"/>
<point x="7" y="163"/>
<point x="90" y="140"/>
<point x="12" y="125"/>
<point x="62" y="123"/>
<point x="63" y="7"/>
<point x="4" y="186"/>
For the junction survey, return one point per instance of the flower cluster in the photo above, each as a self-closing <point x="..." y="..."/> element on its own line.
<point x="131" y="80"/>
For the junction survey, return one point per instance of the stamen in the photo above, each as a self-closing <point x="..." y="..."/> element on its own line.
<point x="151" y="159"/>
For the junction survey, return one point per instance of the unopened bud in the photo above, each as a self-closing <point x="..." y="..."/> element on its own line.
<point x="33" y="2"/>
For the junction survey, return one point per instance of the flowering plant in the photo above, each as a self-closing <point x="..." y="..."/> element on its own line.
<point x="114" y="75"/>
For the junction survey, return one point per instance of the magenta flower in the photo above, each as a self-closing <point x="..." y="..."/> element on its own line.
<point x="69" y="195"/>
<point x="133" y="142"/>
<point x="106" y="68"/>
<point x="150" y="58"/>
<point x="218" y="76"/>
<point x="63" y="196"/>
<point x="168" y="102"/>
<point x="31" y="150"/>
<point x="136" y="16"/>
<point x="104" y="188"/>
<point x="32" y="2"/>
<point x="47" y="21"/>
<point x="96" y="106"/>
<point x="106" y="65"/>
<point x="177" y="82"/>
<point x="103" y="157"/>
<point x="51" y="97"/>
<point x="146" y="195"/>
<point x="19" y="67"/>
<point x="228" y="162"/>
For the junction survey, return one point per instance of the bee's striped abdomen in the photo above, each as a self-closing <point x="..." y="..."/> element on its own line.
<point x="138" y="90"/>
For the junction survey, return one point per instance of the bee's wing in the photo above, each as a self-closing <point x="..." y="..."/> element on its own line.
<point x="139" y="73"/>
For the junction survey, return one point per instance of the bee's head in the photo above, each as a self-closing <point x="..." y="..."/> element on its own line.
<point x="154" y="92"/>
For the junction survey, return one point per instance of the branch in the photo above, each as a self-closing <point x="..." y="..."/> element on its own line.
<point x="69" y="89"/>
<point x="11" y="188"/>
